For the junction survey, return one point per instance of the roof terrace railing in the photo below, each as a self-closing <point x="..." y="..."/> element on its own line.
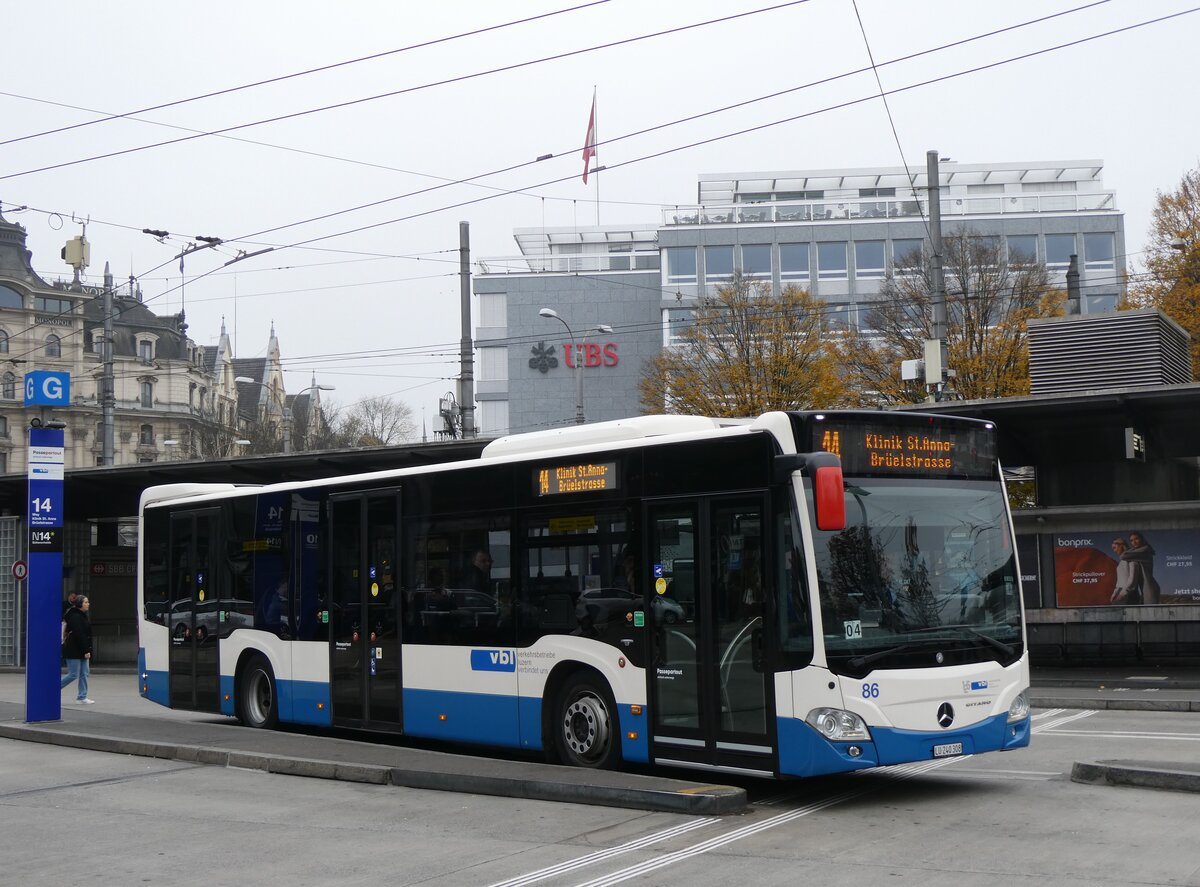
<point x="835" y="209"/>
<point x="583" y="263"/>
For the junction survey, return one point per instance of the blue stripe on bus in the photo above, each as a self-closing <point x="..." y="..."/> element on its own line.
<point x="634" y="750"/>
<point x="157" y="684"/>
<point x="994" y="734"/>
<point x="306" y="702"/>
<point x="227" y="699"/>
<point x="463" y="717"/>
<point x="804" y="752"/>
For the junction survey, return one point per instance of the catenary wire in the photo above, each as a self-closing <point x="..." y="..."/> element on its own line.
<point x="760" y="127"/>
<point x="432" y="84"/>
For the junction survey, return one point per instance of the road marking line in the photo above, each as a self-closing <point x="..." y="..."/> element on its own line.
<point x="600" y="855"/>
<point x="715" y="843"/>
<point x="1045" y="728"/>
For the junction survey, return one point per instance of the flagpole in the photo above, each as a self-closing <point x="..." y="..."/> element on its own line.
<point x="596" y="154"/>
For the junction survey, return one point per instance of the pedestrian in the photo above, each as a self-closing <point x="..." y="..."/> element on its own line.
<point x="77" y="648"/>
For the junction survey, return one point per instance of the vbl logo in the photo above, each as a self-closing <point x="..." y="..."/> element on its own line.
<point x="493" y="660"/>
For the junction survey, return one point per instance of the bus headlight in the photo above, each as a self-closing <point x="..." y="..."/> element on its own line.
<point x="838" y="725"/>
<point x="1019" y="710"/>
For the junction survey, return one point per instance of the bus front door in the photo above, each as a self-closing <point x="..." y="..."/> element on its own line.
<point x="364" y="631"/>
<point x="193" y="611"/>
<point x="710" y="691"/>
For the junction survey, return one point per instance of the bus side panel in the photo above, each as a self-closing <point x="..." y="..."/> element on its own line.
<point x="460" y="694"/>
<point x="308" y="689"/>
<point x="153" y="682"/>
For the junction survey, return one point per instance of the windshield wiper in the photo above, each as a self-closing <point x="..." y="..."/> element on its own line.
<point x="859" y="661"/>
<point x="992" y="642"/>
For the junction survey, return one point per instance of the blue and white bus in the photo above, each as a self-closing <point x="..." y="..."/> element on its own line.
<point x="797" y="594"/>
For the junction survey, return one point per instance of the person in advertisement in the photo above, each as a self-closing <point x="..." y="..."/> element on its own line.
<point x="1141" y="556"/>
<point x="1126" y="590"/>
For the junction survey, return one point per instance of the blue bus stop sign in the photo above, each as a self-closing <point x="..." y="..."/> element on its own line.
<point x="44" y="612"/>
<point x="46" y="389"/>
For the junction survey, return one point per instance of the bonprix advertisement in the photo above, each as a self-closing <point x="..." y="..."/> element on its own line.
<point x="1121" y="569"/>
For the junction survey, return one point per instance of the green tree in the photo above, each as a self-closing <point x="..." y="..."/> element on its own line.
<point x="747" y="351"/>
<point x="1172" y="257"/>
<point x="989" y="302"/>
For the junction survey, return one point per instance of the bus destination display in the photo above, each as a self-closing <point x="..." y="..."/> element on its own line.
<point x="883" y="449"/>
<point x="584" y="477"/>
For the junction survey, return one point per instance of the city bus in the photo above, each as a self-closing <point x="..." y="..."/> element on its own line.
<point x="796" y="594"/>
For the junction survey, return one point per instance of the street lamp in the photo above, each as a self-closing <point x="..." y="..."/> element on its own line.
<point x="579" y="357"/>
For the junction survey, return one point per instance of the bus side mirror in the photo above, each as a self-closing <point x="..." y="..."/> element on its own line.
<point x="830" y="498"/>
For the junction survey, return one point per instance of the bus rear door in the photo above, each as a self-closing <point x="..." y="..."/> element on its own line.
<point x="193" y="612"/>
<point x="709" y="689"/>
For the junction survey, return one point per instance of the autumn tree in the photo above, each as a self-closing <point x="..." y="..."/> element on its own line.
<point x="989" y="302"/>
<point x="746" y="351"/>
<point x="1172" y="279"/>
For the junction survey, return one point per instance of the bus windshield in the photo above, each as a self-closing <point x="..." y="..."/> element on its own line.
<point x="923" y="575"/>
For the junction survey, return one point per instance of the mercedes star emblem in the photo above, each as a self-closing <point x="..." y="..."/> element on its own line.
<point x="945" y="715"/>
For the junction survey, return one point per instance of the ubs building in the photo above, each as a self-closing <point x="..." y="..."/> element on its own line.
<point x="615" y="293"/>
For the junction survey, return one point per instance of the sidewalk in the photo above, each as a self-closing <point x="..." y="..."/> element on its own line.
<point x="1128" y="688"/>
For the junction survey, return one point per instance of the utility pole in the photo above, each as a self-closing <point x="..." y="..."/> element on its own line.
<point x="935" y="348"/>
<point x="466" y="393"/>
<point x="108" y="398"/>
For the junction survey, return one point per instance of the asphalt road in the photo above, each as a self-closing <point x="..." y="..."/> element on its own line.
<point x="82" y="817"/>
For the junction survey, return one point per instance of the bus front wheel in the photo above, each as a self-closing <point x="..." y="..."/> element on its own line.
<point x="258" y="705"/>
<point x="586" y="732"/>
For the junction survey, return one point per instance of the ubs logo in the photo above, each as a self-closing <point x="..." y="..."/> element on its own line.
<point x="543" y="359"/>
<point x="945" y="715"/>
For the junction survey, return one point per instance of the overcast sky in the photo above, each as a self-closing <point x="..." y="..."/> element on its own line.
<point x="377" y="311"/>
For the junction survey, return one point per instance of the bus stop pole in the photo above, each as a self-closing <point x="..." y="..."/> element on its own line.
<point x="43" y="644"/>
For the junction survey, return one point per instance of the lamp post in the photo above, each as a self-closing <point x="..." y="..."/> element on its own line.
<point x="284" y="414"/>
<point x="579" y="356"/>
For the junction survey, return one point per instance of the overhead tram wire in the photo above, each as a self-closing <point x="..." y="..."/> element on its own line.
<point x="764" y="126"/>
<point x="722" y="137"/>
<point x="471" y="180"/>
<point x="391" y="94"/>
<point x="447" y="182"/>
<point x="282" y="77"/>
<point x="891" y="121"/>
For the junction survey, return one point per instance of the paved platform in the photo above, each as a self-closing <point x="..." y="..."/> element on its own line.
<point x="128" y="725"/>
<point x="224" y="742"/>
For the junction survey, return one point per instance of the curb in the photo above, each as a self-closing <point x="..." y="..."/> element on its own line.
<point x="712" y="800"/>
<point x="1166" y="776"/>
<point x="1177" y="705"/>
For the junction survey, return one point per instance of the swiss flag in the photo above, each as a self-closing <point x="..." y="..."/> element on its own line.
<point x="589" y="142"/>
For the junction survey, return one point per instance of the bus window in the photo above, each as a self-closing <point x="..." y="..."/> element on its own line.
<point x="457" y="582"/>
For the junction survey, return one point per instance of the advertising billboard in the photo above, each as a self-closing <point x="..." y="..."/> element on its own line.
<point x="1121" y="569"/>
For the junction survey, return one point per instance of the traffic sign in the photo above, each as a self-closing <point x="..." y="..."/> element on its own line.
<point x="20" y="570"/>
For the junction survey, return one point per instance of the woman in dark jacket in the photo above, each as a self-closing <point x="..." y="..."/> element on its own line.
<point x="77" y="648"/>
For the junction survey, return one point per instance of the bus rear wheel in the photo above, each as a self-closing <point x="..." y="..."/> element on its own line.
<point x="585" y="726"/>
<point x="258" y="704"/>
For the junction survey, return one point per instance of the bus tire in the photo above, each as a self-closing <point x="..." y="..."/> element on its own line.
<point x="257" y="701"/>
<point x="586" y="731"/>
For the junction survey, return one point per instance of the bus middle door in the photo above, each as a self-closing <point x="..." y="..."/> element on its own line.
<point x="364" y="632"/>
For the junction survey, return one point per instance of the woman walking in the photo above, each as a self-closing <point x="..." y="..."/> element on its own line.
<point x="77" y="648"/>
